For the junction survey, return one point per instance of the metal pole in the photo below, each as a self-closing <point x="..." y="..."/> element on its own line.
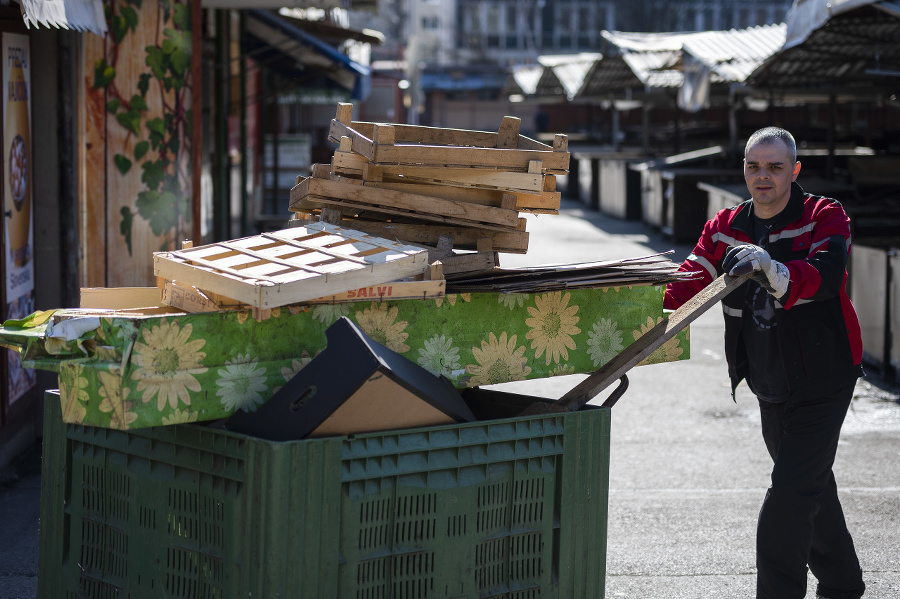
<point x="219" y="123"/>
<point x="196" y="119"/>
<point x="68" y="199"/>
<point x="245" y="203"/>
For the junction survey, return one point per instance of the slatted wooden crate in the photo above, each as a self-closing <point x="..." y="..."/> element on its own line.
<point x="291" y="266"/>
<point x="533" y="191"/>
<point x="351" y="195"/>
<point x="413" y="144"/>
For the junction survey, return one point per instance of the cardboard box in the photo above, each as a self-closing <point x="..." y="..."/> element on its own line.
<point x="356" y="385"/>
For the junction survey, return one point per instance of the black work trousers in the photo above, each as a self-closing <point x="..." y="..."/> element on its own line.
<point x="801" y="521"/>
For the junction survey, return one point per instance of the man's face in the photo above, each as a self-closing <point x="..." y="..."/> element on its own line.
<point x="769" y="172"/>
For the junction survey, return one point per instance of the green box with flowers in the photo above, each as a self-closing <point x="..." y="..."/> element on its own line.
<point x="140" y="371"/>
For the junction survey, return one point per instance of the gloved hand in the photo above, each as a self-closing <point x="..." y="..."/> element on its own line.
<point x="771" y="274"/>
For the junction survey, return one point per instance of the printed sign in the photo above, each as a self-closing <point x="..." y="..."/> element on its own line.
<point x="17" y="180"/>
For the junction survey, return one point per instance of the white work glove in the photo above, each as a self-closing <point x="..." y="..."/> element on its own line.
<point x="771" y="274"/>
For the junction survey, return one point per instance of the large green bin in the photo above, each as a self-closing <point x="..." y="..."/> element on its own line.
<point x="512" y="507"/>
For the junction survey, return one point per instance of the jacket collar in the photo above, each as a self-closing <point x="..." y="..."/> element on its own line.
<point x="743" y="220"/>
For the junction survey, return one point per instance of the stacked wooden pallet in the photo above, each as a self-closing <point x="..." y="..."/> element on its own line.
<point x="444" y="189"/>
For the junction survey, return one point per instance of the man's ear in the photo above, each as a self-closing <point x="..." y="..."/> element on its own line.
<point x="796" y="170"/>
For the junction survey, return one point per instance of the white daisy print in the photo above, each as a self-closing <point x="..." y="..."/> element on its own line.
<point x="604" y="341"/>
<point x="241" y="384"/>
<point x="439" y="356"/>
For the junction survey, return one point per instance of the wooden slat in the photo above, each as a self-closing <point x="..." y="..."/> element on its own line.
<point x="469" y="263"/>
<point x="321" y="202"/>
<point x="465" y="238"/>
<point x="451" y="155"/>
<point x="456" y="177"/>
<point x="374" y="198"/>
<point x="385" y="245"/>
<point x="547" y="200"/>
<point x="437" y="136"/>
<point x="508" y="134"/>
<point x="386" y="291"/>
<point x="348" y="162"/>
<point x="645" y="345"/>
<point x="359" y="144"/>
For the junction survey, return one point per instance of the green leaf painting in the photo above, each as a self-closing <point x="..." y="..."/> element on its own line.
<point x="160" y="141"/>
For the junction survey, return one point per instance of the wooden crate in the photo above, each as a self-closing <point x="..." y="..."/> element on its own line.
<point x="533" y="192"/>
<point x="291" y="266"/>
<point x="351" y="196"/>
<point x="413" y="144"/>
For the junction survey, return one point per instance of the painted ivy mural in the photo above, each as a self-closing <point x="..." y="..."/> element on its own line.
<point x="161" y="142"/>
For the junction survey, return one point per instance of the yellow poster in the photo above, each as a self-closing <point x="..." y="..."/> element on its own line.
<point x="17" y="179"/>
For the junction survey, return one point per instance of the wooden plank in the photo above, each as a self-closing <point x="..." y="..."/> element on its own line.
<point x="456" y="177"/>
<point x="344" y="113"/>
<point x="464" y="238"/>
<point x="387" y="291"/>
<point x="645" y="345"/>
<point x="555" y="162"/>
<point x="331" y="215"/>
<point x="319" y="170"/>
<point x="549" y="183"/>
<point x="379" y="199"/>
<point x="542" y="203"/>
<point x="360" y="144"/>
<point x="469" y="263"/>
<point x="437" y="136"/>
<point x="119" y="298"/>
<point x="508" y="134"/>
<point x="383" y="211"/>
<point x="191" y="299"/>
<point x="347" y="162"/>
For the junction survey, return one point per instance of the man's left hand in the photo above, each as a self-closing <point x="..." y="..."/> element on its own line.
<point x="771" y="274"/>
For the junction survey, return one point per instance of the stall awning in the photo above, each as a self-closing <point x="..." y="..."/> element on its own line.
<point x="460" y="80"/>
<point x="274" y="35"/>
<point x="80" y="15"/>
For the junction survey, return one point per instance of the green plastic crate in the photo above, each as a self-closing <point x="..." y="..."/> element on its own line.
<point x="509" y="507"/>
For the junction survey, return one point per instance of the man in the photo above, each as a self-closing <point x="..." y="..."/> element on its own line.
<point x="793" y="335"/>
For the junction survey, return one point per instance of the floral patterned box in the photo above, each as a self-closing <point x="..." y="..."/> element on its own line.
<point x="167" y="369"/>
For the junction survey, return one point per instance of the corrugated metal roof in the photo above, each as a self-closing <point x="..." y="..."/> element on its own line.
<point x="557" y="76"/>
<point x="657" y="58"/>
<point x="656" y="69"/>
<point x="526" y="77"/>
<point x="858" y="49"/>
<point x="571" y="73"/>
<point x="607" y="75"/>
<point x="734" y="54"/>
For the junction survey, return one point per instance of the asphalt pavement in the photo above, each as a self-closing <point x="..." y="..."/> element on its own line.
<point x="688" y="468"/>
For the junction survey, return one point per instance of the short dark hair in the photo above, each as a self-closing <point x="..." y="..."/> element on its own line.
<point x="769" y="134"/>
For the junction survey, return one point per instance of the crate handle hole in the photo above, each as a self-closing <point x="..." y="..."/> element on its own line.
<point x="304" y="397"/>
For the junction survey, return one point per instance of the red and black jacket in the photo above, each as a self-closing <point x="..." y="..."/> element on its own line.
<point x="818" y="329"/>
